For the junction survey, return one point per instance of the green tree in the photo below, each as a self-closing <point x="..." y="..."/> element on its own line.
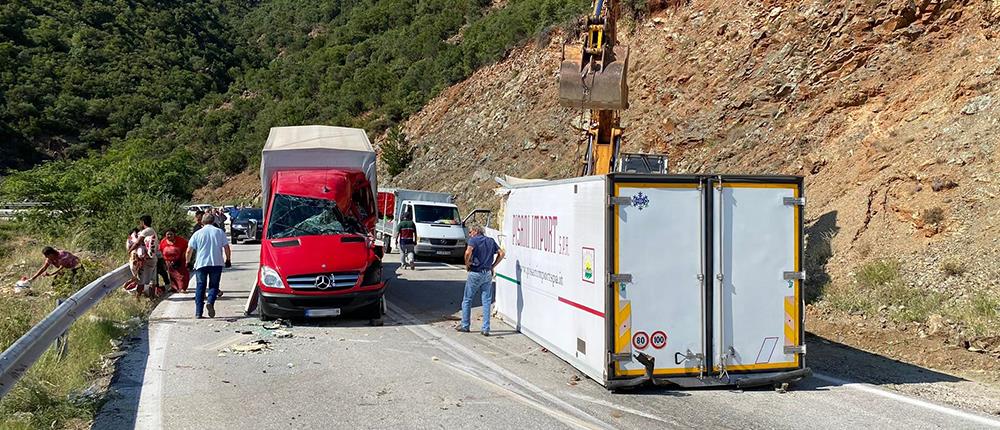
<point x="397" y="152"/>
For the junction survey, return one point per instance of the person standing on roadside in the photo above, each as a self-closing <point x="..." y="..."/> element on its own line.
<point x="174" y="250"/>
<point x="205" y="253"/>
<point x="480" y="262"/>
<point x="198" y="215"/>
<point x="147" y="238"/>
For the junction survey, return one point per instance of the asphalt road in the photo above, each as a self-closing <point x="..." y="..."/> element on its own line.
<point x="417" y="372"/>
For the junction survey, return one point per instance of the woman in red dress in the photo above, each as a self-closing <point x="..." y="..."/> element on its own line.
<point x="174" y="249"/>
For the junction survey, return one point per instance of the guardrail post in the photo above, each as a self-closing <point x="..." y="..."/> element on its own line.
<point x="62" y="342"/>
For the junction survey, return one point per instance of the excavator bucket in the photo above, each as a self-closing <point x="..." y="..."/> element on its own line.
<point x="589" y="86"/>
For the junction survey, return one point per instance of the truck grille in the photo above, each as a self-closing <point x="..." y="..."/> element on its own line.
<point x="324" y="281"/>
<point x="446" y="242"/>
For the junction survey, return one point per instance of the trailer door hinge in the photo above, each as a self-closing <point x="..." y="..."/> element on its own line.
<point x="620" y="201"/>
<point x="794" y="201"/>
<point x="795" y="349"/>
<point x="621" y="278"/>
<point x="791" y="276"/>
<point x="620" y="357"/>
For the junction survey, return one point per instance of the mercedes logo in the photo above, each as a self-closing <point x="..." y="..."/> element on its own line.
<point x="322" y="282"/>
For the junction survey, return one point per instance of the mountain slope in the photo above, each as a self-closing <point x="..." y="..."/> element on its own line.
<point x="888" y="109"/>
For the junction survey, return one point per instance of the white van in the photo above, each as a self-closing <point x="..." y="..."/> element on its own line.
<point x="441" y="230"/>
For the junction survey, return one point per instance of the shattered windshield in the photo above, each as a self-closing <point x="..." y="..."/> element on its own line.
<point x="293" y="216"/>
<point x="436" y="214"/>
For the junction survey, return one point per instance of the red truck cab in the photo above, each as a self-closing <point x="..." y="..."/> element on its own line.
<point x="318" y="257"/>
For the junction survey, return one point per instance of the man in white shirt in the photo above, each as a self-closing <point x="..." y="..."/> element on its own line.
<point x="206" y="248"/>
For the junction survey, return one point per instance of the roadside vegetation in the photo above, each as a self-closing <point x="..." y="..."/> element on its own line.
<point x="60" y="390"/>
<point x="879" y="289"/>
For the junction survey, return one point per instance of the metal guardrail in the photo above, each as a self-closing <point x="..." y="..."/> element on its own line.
<point x="21" y="205"/>
<point x="19" y="357"/>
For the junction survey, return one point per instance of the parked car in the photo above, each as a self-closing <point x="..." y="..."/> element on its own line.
<point x="248" y="225"/>
<point x="191" y="209"/>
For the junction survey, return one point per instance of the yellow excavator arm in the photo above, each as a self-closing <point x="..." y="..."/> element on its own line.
<point x="593" y="75"/>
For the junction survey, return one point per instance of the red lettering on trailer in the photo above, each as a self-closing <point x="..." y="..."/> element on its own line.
<point x="540" y="232"/>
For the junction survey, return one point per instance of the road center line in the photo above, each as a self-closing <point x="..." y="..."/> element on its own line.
<point x="909" y="400"/>
<point x="461" y="352"/>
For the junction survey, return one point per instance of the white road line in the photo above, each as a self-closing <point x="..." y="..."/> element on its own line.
<point x="520" y="397"/>
<point x="909" y="400"/>
<point x="453" y="266"/>
<point x="461" y="353"/>
<point x="623" y="409"/>
<point x="150" y="414"/>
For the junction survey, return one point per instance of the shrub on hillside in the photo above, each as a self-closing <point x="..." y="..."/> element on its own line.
<point x="397" y="153"/>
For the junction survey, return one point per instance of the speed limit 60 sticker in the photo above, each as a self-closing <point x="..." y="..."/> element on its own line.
<point x="640" y="340"/>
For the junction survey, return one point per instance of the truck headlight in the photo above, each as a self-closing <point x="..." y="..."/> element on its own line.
<point x="425" y="240"/>
<point x="270" y="278"/>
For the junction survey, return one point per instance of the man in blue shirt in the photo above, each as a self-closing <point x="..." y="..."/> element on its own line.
<point x="207" y="246"/>
<point x="480" y="262"/>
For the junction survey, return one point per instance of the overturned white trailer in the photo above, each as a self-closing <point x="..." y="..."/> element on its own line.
<point x="665" y="279"/>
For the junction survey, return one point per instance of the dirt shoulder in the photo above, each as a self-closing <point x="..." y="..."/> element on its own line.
<point x="933" y="367"/>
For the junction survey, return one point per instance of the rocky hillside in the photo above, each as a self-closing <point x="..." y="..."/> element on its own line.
<point x="889" y="109"/>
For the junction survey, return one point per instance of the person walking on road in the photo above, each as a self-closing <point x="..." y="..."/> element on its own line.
<point x="406" y="231"/>
<point x="205" y="255"/>
<point x="480" y="262"/>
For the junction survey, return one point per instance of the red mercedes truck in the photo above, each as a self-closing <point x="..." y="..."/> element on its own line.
<point x="318" y="256"/>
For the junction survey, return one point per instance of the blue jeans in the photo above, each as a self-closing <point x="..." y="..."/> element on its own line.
<point x="478" y="281"/>
<point x="214" y="275"/>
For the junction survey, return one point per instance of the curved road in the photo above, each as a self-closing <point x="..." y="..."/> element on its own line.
<point x="417" y="372"/>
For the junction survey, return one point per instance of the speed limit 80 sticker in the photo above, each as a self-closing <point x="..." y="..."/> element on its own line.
<point x="640" y="340"/>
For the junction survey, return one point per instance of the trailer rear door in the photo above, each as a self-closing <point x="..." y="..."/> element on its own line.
<point x="657" y="225"/>
<point x="756" y="277"/>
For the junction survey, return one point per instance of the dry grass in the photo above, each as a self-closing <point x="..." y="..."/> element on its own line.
<point x="933" y="216"/>
<point x="953" y="267"/>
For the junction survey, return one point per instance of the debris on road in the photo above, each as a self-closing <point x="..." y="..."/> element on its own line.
<point x="255" y="346"/>
<point x="282" y="334"/>
<point x="276" y="324"/>
<point x="244" y="331"/>
<point x="452" y="318"/>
